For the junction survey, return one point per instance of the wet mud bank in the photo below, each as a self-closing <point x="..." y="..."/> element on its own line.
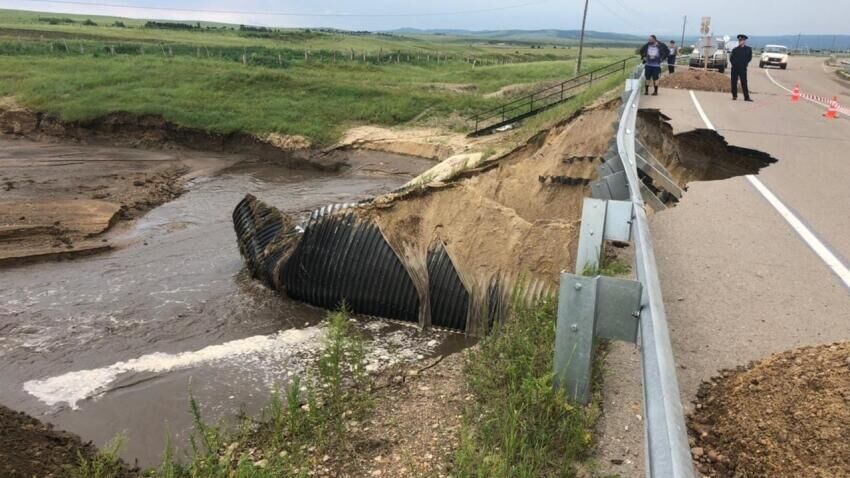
<point x="154" y="132"/>
<point x="29" y="448"/>
<point x="62" y="201"/>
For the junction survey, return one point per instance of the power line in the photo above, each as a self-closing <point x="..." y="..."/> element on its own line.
<point x="290" y="14"/>
<point x="614" y="12"/>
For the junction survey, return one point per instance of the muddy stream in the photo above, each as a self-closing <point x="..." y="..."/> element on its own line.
<point x="116" y="342"/>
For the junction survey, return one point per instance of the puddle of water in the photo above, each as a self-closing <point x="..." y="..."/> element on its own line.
<point x="115" y="343"/>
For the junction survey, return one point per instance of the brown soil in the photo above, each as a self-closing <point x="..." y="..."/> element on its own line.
<point x="153" y="131"/>
<point x="697" y="80"/>
<point x="696" y="155"/>
<point x="506" y="218"/>
<point x="29" y="448"/>
<point x="60" y="201"/>
<point x="786" y="416"/>
<point x="431" y="143"/>
<point x="415" y="427"/>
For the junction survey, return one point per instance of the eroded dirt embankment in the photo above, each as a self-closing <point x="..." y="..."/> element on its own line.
<point x="153" y="131"/>
<point x="497" y="220"/>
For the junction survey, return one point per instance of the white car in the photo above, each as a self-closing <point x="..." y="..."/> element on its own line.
<point x="774" y="55"/>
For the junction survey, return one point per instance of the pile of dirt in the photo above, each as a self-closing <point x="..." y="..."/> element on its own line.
<point x="786" y="416"/>
<point x="29" y="448"/>
<point x="697" y="80"/>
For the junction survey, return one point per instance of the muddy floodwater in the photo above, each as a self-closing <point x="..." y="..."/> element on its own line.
<point x="116" y="343"/>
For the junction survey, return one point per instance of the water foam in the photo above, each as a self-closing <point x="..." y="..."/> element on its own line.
<point x="73" y="387"/>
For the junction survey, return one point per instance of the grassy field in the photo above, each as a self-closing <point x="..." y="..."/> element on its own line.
<point x="311" y="83"/>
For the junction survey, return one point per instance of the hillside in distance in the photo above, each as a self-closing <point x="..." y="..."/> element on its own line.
<point x="544" y="36"/>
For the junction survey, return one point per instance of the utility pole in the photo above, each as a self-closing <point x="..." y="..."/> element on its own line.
<point x="832" y="49"/>
<point x="581" y="39"/>
<point x="797" y="48"/>
<point x="684" y="22"/>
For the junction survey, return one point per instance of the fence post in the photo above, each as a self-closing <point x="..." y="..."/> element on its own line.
<point x="531" y="104"/>
<point x="562" y="91"/>
<point x="476" y="121"/>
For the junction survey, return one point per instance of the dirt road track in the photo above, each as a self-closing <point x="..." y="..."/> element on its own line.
<point x="738" y="281"/>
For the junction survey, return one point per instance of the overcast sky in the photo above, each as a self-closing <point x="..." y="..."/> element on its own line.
<point x="626" y="16"/>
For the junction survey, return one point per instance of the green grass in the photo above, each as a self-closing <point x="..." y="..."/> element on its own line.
<point x="224" y="81"/>
<point x="106" y="463"/>
<point x="518" y="425"/>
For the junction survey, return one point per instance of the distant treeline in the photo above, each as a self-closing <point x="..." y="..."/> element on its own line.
<point x="67" y="21"/>
<point x="173" y="25"/>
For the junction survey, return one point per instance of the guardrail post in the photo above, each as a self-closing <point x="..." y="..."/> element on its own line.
<point x="476" y="122"/>
<point x="531" y="104"/>
<point x="592" y="307"/>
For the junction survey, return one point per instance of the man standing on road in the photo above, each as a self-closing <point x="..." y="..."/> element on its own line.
<point x="671" y="58"/>
<point x="652" y="54"/>
<point x="740" y="58"/>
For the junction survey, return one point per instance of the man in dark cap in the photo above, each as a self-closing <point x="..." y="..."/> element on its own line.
<point x="740" y="58"/>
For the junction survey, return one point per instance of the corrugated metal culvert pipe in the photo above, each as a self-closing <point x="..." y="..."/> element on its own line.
<point x="335" y="257"/>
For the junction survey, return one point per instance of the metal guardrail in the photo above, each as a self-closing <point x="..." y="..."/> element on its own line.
<point x="668" y="453"/>
<point x="590" y="308"/>
<point x="541" y="100"/>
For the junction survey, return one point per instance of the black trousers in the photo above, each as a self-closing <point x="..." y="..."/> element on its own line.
<point x="671" y="63"/>
<point x="742" y="75"/>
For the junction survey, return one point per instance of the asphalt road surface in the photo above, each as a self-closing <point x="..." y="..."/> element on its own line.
<point x="749" y="266"/>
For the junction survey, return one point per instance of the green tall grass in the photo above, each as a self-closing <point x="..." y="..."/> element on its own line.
<point x="518" y="425"/>
<point x="315" y="100"/>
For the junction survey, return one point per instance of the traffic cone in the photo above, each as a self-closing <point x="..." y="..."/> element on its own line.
<point x="795" y="95"/>
<point x="832" y="110"/>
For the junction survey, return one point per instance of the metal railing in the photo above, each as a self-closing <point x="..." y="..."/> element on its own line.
<point x="668" y="452"/>
<point x="541" y="100"/>
<point x="591" y="307"/>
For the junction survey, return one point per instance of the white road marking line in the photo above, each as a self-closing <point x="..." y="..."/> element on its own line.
<point x="701" y="112"/>
<point x="831" y="260"/>
<point x="806" y="97"/>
